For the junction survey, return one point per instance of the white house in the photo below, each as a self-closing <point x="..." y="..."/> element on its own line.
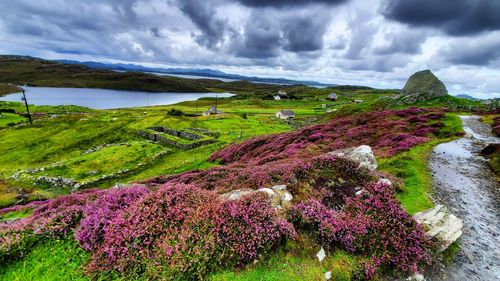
<point x="282" y="93"/>
<point x="212" y="110"/>
<point x="285" y="114"/>
<point x="277" y="97"/>
<point x="332" y="96"/>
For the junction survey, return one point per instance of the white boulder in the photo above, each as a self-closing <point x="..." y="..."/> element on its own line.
<point x="441" y="225"/>
<point x="279" y="196"/>
<point x="362" y="154"/>
<point x="385" y="182"/>
<point x="236" y="194"/>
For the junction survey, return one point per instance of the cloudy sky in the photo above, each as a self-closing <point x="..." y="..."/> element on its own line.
<point x="365" y="42"/>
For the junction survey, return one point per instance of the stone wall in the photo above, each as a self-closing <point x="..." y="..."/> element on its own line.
<point x="177" y="133"/>
<point x="155" y="134"/>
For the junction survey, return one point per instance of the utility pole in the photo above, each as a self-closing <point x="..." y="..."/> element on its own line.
<point x="27" y="107"/>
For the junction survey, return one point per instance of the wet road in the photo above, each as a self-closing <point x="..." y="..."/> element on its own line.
<point x="464" y="183"/>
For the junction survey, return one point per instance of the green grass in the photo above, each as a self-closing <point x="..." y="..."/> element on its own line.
<point x="17" y="214"/>
<point x="297" y="261"/>
<point x="49" y="260"/>
<point x="412" y="167"/>
<point x="7" y="119"/>
<point x="105" y="161"/>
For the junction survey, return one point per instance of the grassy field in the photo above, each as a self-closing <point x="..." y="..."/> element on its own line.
<point x="65" y="133"/>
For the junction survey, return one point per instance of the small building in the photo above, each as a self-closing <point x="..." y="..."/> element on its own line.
<point x="357" y="101"/>
<point x="332" y="96"/>
<point x="282" y="93"/>
<point x="212" y="110"/>
<point x="285" y="114"/>
<point x="277" y="97"/>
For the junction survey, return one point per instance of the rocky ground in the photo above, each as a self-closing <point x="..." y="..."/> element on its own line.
<point x="464" y="183"/>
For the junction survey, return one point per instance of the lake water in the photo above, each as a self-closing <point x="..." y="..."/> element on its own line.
<point x="104" y="99"/>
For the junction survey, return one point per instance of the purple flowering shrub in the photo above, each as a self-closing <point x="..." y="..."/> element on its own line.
<point x="323" y="175"/>
<point x="185" y="231"/>
<point x="379" y="129"/>
<point x="50" y="219"/>
<point x="98" y="214"/>
<point x="174" y="230"/>
<point x="373" y="224"/>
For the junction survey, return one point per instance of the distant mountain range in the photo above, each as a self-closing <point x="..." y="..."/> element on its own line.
<point x="201" y="73"/>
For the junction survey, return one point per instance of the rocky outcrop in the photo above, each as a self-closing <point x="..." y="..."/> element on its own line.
<point x="441" y="225"/>
<point x="362" y="154"/>
<point x="279" y="196"/>
<point x="490" y="149"/>
<point x="422" y="86"/>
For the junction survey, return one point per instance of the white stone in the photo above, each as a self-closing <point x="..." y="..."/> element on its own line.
<point x="321" y="254"/>
<point x="328" y="275"/>
<point x="385" y="181"/>
<point x="286" y="196"/>
<point x="362" y="154"/>
<point x="441" y="225"/>
<point x="416" y="277"/>
<point x="279" y="187"/>
<point x="268" y="191"/>
<point x="278" y="195"/>
<point x="236" y="194"/>
<point x="359" y="192"/>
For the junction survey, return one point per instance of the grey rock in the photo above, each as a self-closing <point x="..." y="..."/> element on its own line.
<point x="425" y="85"/>
<point x="362" y="154"/>
<point x="279" y="196"/>
<point x="441" y="225"/>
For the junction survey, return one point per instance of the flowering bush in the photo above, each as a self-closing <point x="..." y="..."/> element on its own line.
<point x="182" y="230"/>
<point x="52" y="218"/>
<point x="373" y="224"/>
<point x="98" y="214"/>
<point x="378" y="129"/>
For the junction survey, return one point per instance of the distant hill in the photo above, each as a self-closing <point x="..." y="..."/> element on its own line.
<point x="32" y="71"/>
<point x="464" y="96"/>
<point x="194" y="72"/>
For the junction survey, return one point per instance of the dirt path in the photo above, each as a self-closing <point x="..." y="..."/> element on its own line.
<point x="464" y="183"/>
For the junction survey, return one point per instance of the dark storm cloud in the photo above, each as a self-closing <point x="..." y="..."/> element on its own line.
<point x="479" y="52"/>
<point x="457" y="17"/>
<point x="287" y="3"/>
<point x="267" y="33"/>
<point x="204" y="15"/>
<point x="261" y="39"/>
<point x="305" y="34"/>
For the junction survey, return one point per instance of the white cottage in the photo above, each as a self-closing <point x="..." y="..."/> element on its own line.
<point x="332" y="96"/>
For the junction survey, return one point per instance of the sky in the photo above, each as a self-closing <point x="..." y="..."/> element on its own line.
<point x="377" y="43"/>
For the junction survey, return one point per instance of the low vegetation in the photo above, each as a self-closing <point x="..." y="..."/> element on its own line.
<point x="172" y="223"/>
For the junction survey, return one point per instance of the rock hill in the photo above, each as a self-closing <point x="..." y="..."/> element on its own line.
<point x="421" y="86"/>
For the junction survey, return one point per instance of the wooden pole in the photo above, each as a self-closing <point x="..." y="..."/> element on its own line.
<point x="27" y="107"/>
